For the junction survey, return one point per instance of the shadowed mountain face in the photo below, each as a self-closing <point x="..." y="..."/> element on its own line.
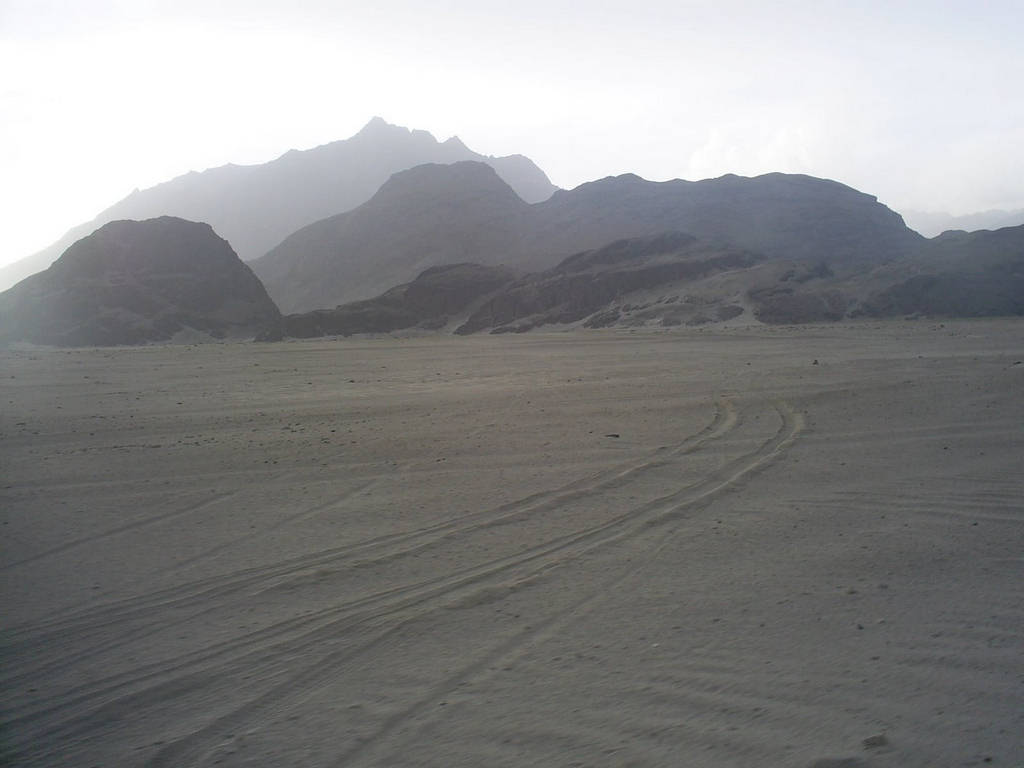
<point x="958" y="274"/>
<point x="592" y="282"/>
<point x="257" y="206"/>
<point x="492" y="298"/>
<point x="778" y="215"/>
<point x="961" y="274"/>
<point x="676" y="279"/>
<point x="440" y="214"/>
<point x="424" y="217"/>
<point x="428" y="302"/>
<point x="133" y="282"/>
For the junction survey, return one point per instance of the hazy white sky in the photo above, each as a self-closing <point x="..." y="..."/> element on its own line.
<point x="917" y="102"/>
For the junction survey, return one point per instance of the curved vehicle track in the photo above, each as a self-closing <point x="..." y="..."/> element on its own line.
<point x="359" y="595"/>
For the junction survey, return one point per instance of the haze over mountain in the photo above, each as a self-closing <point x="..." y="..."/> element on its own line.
<point x="932" y="223"/>
<point x="133" y="282"/>
<point x="423" y="217"/>
<point x="453" y="246"/>
<point x="436" y="215"/>
<point x="256" y="206"/>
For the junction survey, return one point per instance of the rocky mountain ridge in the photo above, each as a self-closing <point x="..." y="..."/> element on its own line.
<point x="674" y="279"/>
<point x="452" y="248"/>
<point x="437" y="214"/>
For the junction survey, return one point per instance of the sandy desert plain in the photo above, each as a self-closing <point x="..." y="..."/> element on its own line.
<point x="587" y="548"/>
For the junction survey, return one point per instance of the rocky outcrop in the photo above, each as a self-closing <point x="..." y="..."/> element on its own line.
<point x="134" y="282"/>
<point x="428" y="302"/>
<point x="592" y="283"/>
<point x="960" y="274"/>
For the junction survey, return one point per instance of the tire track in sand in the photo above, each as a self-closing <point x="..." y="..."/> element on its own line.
<point x="725" y="420"/>
<point x="135" y="524"/>
<point x="387" y="610"/>
<point x="502" y="654"/>
<point x="324" y="671"/>
<point x="149" y="613"/>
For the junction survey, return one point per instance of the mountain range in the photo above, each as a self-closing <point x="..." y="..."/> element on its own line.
<point x="442" y="214"/>
<point x="675" y="279"/>
<point x="256" y="206"/>
<point x="466" y="246"/>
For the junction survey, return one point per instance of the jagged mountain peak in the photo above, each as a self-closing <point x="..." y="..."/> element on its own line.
<point x="455" y="143"/>
<point x="379" y="127"/>
<point x="375" y="123"/>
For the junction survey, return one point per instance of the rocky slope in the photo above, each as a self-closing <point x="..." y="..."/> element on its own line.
<point x="441" y="214"/>
<point x="429" y="302"/>
<point x="674" y="279"/>
<point x="133" y="282"/>
<point x="960" y="274"/>
<point x="257" y="206"/>
<point x="593" y="284"/>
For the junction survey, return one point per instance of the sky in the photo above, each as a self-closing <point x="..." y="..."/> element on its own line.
<point x="919" y="103"/>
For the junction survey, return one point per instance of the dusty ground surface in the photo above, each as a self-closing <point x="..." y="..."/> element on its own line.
<point x="695" y="548"/>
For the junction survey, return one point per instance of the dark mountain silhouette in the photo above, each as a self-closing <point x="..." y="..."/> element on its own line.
<point x="960" y="274"/>
<point x="133" y="282"/>
<point x="257" y="206"/>
<point x="440" y="214"/>
<point x="779" y="215"/>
